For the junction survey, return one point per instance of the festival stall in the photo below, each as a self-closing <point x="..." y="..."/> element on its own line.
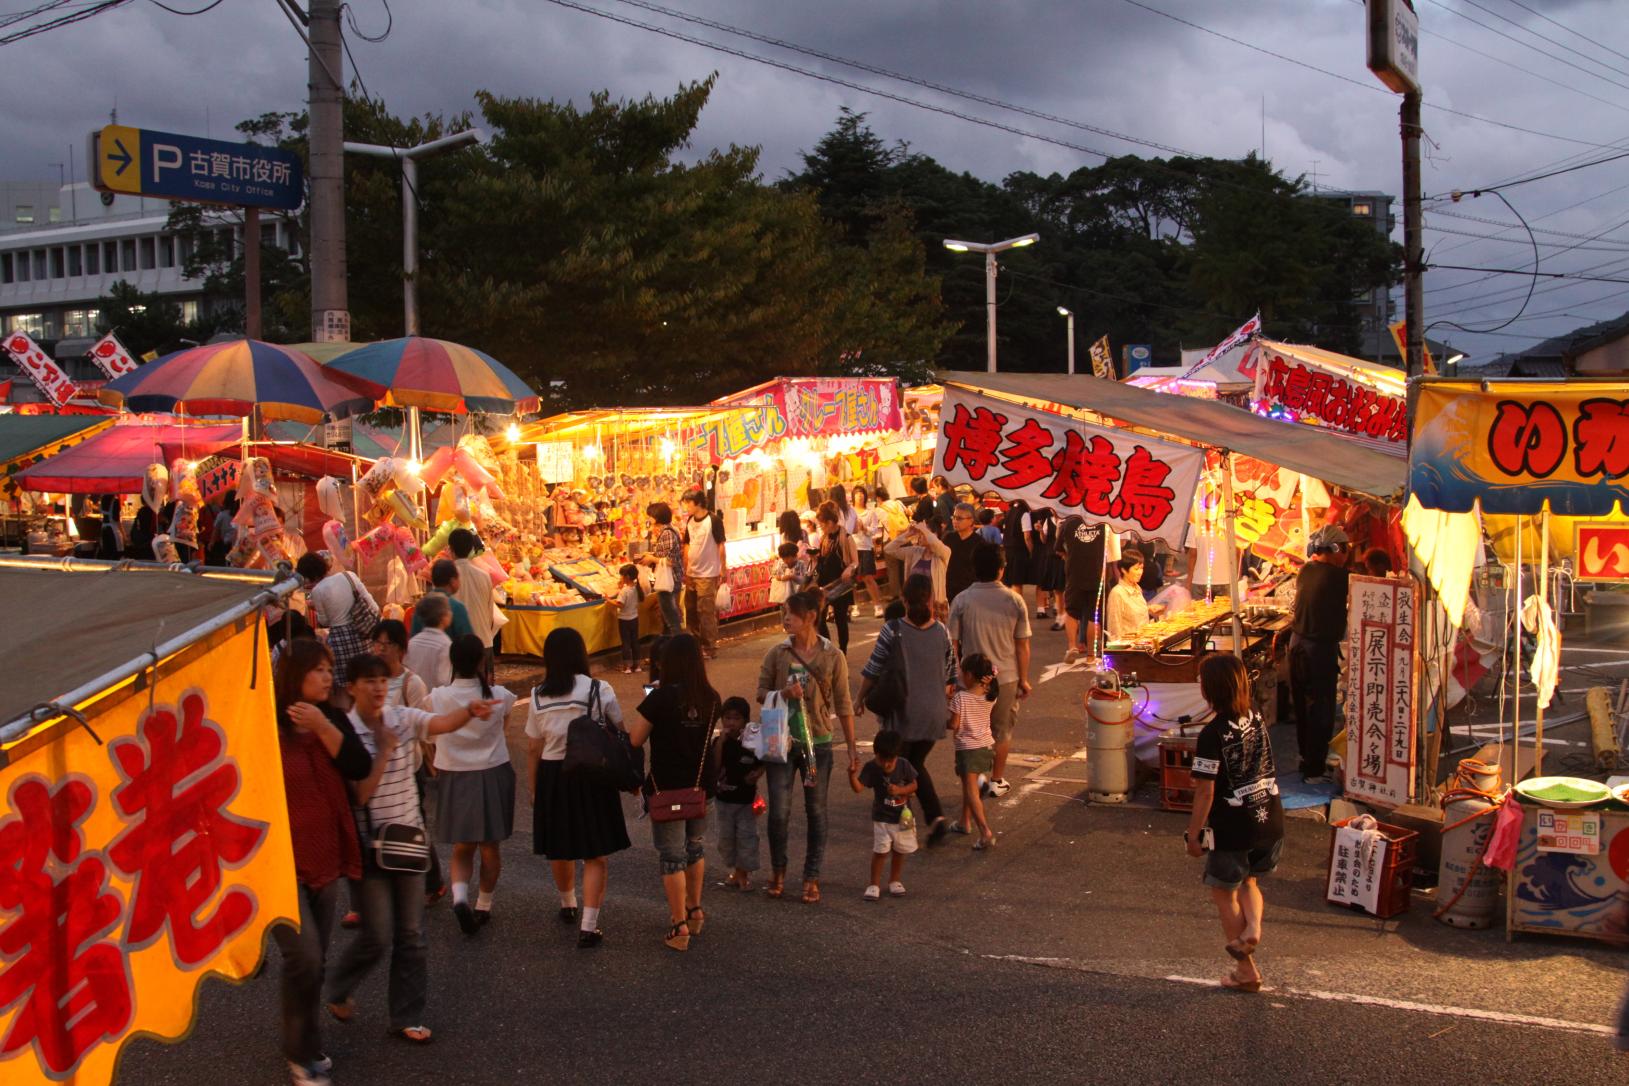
<point x="1555" y="453"/>
<point x="25" y="440"/>
<point x="1361" y="400"/>
<point x="139" y="764"/>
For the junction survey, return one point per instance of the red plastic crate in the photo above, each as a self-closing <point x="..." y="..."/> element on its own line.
<point x="1176" y="772"/>
<point x="1396" y="874"/>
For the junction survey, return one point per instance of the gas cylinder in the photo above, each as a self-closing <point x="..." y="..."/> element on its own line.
<point x="1468" y="891"/>
<point x="1108" y="743"/>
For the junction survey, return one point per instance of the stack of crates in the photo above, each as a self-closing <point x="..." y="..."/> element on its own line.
<point x="1396" y="872"/>
<point x="1176" y="772"/>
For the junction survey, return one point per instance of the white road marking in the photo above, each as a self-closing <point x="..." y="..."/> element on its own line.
<point x="1052" y="671"/>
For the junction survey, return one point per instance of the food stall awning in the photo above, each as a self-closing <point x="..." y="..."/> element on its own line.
<point x="1304" y="449"/>
<point x="114" y="461"/>
<point x="26" y="435"/>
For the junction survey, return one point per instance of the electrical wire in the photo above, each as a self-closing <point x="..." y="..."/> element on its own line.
<point x="350" y="18"/>
<point x="1529" y="271"/>
<point x="1568" y="29"/>
<point x="1539" y="176"/>
<point x="1532" y="284"/>
<point x="177" y="11"/>
<point x="61" y="21"/>
<point x="1534" y="33"/>
<point x="13" y="17"/>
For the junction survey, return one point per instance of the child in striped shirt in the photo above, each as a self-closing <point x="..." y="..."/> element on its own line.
<point x="975" y="743"/>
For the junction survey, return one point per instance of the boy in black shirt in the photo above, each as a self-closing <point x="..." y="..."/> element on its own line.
<point x="737" y="795"/>
<point x="892" y="781"/>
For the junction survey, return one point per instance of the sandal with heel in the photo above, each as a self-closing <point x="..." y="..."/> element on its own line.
<point x="694" y="918"/>
<point x="678" y="937"/>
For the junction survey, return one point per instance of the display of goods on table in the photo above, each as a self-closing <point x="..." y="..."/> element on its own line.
<point x="1156" y="635"/>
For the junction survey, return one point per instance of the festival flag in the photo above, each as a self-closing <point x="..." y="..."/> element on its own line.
<point x="111" y="357"/>
<point x="1398" y="331"/>
<point x="1248" y="330"/>
<point x="1102" y="359"/>
<point x="40" y="367"/>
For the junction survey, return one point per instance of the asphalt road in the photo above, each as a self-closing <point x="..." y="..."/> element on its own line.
<point x="1082" y="948"/>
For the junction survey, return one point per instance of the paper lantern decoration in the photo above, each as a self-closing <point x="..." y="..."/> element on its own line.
<point x="368" y="547"/>
<point x="337" y="542"/>
<point x="436" y="467"/>
<point x="155" y="487"/>
<point x="399" y="506"/>
<point x="408" y="550"/>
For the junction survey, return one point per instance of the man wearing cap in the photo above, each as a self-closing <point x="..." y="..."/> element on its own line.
<point x="1318" y="628"/>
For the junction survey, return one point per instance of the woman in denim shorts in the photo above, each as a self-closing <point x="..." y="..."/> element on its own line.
<point x="680" y="718"/>
<point x="1237" y="823"/>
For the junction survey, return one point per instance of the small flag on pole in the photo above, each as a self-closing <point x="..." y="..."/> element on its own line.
<point x="1102" y="360"/>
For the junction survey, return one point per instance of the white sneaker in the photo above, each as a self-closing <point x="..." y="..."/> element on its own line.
<point x="999" y="787"/>
<point x="872" y="893"/>
<point x="876" y="611"/>
<point x="323" y="1065"/>
<point x="1040" y="613"/>
<point x="301" y="1075"/>
<point x="896" y="889"/>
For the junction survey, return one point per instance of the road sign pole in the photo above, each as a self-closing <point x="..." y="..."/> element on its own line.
<point x="251" y="272"/>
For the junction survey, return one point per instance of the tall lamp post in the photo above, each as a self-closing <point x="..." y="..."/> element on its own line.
<point x="409" y="159"/>
<point x="990" y="252"/>
<point x="1070" y="317"/>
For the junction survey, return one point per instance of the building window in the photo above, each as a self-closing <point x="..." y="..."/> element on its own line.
<point x="127" y="254"/>
<point x="59" y="263"/>
<point x="25" y="212"/>
<point x="55" y="214"/>
<point x="31" y="323"/>
<point x="189" y="311"/>
<point x="148" y="257"/>
<point x="39" y="263"/>
<point x="92" y="264"/>
<point x="110" y="256"/>
<point x="166" y="251"/>
<point x="80" y="322"/>
<point x="1364" y="209"/>
<point x="186" y="250"/>
<point x="5" y="268"/>
<point x="75" y="265"/>
<point x="22" y="268"/>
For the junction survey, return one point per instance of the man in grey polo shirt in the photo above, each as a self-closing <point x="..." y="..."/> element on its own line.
<point x="989" y="617"/>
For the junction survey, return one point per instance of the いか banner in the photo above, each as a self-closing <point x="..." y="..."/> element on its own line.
<point x="1132" y="483"/>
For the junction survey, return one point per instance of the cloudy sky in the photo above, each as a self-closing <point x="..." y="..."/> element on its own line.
<point x="1215" y="77"/>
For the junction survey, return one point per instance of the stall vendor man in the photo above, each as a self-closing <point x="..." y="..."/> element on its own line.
<point x="1318" y="628"/>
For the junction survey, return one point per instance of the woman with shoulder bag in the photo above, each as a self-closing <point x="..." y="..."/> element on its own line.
<point x="666" y="560"/>
<point x="320" y="752"/>
<point x="809" y="672"/>
<point x="390" y="894"/>
<point x="574" y="817"/>
<point x="835" y="566"/>
<point x="920" y="646"/>
<point x="680" y="718"/>
<point x="340" y="604"/>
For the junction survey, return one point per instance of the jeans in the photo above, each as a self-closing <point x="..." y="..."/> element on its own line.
<point x="1314" y="671"/>
<point x="680" y="843"/>
<point x="916" y="753"/>
<point x="629" y="629"/>
<point x="738" y="835"/>
<point x="671" y="622"/>
<point x="780" y="779"/>
<point x="391" y="905"/>
<point x="839" y="609"/>
<point x="303" y="953"/>
<point x="701" y="608"/>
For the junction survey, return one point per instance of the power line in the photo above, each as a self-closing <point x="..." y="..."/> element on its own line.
<point x="1534" y="177"/>
<point x="61" y="21"/>
<point x="1369" y="86"/>
<point x="1568" y="29"/>
<point x="176" y="11"/>
<point x="390" y="23"/>
<point x="1523" y="241"/>
<point x="1529" y="30"/>
<point x="1505" y="226"/>
<point x="1531" y="285"/>
<point x="1534" y="48"/>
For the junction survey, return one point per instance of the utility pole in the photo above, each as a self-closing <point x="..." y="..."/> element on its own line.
<point x="330" y="311"/>
<point x="1413" y="248"/>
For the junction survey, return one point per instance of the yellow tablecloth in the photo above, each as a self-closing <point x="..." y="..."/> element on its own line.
<point x="597" y="622"/>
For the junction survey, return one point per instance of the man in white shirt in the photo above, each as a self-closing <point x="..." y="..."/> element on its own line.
<point x="428" y="652"/>
<point x="704" y="567"/>
<point x="474" y="588"/>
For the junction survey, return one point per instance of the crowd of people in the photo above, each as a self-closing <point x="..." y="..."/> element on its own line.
<point x="396" y="756"/>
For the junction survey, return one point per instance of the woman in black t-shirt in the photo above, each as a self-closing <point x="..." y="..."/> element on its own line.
<point x="679" y="719"/>
<point x="1237" y="823"/>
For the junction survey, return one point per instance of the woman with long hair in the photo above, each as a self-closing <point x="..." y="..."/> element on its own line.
<point x="838" y="496"/>
<point x="924" y="651"/>
<point x="573" y="818"/>
<point x="867" y="534"/>
<point x="1237" y="824"/>
<point x="921" y="551"/>
<point x="666" y="557"/>
<point x="678" y="719"/>
<point x="836" y="563"/>
<point x="320" y="752"/>
<point x="812" y="676"/>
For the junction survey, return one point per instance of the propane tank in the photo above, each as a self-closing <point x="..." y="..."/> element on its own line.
<point x="1468" y="891"/>
<point x="1108" y="741"/>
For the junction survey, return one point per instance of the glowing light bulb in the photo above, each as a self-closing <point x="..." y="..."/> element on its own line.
<point x="668" y="449"/>
<point x="593" y="452"/>
<point x="513" y="433"/>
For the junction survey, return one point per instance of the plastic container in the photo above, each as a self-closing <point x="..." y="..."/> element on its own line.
<point x="1176" y="771"/>
<point x="1396" y="872"/>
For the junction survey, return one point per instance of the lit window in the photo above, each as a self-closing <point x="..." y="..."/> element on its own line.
<point x="189" y="312"/>
<point x="56" y="214"/>
<point x="1363" y="209"/>
<point x="25" y="212"/>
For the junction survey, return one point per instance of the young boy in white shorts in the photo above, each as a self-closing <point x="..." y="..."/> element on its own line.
<point x="892" y="781"/>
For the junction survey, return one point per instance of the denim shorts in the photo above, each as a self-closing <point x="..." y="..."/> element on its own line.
<point x="679" y="844"/>
<point x="1227" y="870"/>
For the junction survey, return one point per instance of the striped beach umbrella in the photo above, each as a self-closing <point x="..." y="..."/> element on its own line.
<point x="232" y="378"/>
<point x="434" y="375"/>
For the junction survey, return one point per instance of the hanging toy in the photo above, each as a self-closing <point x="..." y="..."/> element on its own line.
<point x="329" y="498"/>
<point x="474" y="474"/>
<point x="337" y="541"/>
<point x="492" y="567"/>
<point x="155" y="487"/>
<point x="436" y="466"/>
<point x="407" y="480"/>
<point x="164" y="550"/>
<point x="438" y="542"/>
<point x="378" y="479"/>
<point x="408" y="550"/>
<point x="256" y="478"/>
<point x="184" y="523"/>
<point x="399" y="505"/>
<point x="368" y="547"/>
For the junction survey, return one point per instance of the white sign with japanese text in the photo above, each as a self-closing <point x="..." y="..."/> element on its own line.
<point x="57" y="386"/>
<point x="1132" y="483"/>
<point x="1355" y="868"/>
<point x="1380" y="681"/>
<point x="111" y="357"/>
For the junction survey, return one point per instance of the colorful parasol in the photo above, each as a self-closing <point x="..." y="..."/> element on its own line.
<point x="231" y="378"/>
<point x="434" y="375"/>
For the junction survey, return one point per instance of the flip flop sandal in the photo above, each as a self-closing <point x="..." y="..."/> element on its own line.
<point x="419" y="1035"/>
<point x="1232" y="983"/>
<point x="776" y="888"/>
<point x="342" y="1012"/>
<point x="1240" y="949"/>
<point x="811" y="892"/>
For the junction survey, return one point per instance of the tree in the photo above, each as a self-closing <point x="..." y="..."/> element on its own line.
<point x="149" y="321"/>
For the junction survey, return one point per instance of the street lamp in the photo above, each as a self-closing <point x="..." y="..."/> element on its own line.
<point x="990" y="252"/>
<point x="1070" y="317"/>
<point x="409" y="158"/>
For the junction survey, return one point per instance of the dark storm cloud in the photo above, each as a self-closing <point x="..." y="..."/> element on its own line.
<point x="1108" y="63"/>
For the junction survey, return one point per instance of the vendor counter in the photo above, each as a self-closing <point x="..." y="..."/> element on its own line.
<point x="1572" y="874"/>
<point x="596" y="620"/>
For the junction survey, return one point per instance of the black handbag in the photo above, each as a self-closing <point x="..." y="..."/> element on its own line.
<point x="398" y="847"/>
<point x="886" y="698"/>
<point x="599" y="752"/>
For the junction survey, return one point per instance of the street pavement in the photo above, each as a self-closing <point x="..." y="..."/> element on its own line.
<point x="1082" y="948"/>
